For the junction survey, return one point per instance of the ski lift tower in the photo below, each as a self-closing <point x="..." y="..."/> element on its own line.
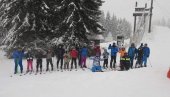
<point x="141" y="12"/>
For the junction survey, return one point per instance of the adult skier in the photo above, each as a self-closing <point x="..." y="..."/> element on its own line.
<point x="60" y="55"/>
<point x="49" y="56"/>
<point x="114" y="50"/>
<point x="139" y="56"/>
<point x="84" y="52"/>
<point x="97" y="50"/>
<point x="74" y="55"/>
<point x="18" y="54"/>
<point x="39" y="55"/>
<point x="131" y="53"/>
<point x="146" y="53"/>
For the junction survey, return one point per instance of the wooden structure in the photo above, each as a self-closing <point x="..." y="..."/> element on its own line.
<point x="139" y="29"/>
<point x="143" y="11"/>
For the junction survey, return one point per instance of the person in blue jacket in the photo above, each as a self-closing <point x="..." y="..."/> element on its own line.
<point x="18" y="54"/>
<point x="146" y="54"/>
<point x="114" y="50"/>
<point x="131" y="53"/>
<point x="84" y="52"/>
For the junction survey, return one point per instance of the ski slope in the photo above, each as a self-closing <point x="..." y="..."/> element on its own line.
<point x="142" y="82"/>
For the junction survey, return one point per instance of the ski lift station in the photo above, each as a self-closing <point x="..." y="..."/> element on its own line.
<point x="120" y="40"/>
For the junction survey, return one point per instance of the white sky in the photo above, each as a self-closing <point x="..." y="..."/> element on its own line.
<point x="125" y="8"/>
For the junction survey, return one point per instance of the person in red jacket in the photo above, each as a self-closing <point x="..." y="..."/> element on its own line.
<point x="74" y="55"/>
<point x="97" y="50"/>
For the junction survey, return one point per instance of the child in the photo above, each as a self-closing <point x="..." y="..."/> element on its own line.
<point x="29" y="57"/>
<point x="49" y="55"/>
<point x="67" y="59"/>
<point x="96" y="63"/>
<point x="105" y="57"/>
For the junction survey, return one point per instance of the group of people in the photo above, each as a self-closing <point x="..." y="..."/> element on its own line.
<point x="78" y="57"/>
<point x="64" y="57"/>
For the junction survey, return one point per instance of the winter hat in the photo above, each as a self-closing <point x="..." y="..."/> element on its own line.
<point x="146" y="45"/>
<point x="132" y="45"/>
<point x="114" y="44"/>
<point x="141" y="44"/>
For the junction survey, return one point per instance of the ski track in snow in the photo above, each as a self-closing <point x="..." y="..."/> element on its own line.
<point x="142" y="82"/>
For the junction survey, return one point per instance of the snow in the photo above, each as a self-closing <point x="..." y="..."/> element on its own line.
<point x="142" y="82"/>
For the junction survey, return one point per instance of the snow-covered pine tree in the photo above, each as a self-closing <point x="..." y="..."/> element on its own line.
<point x="108" y="24"/>
<point x="103" y="22"/>
<point x="168" y="24"/>
<point x="80" y="18"/>
<point x="124" y="28"/>
<point x="27" y="20"/>
<point x="114" y="23"/>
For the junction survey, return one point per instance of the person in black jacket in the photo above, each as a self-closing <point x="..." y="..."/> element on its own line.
<point x="139" y="56"/>
<point x="124" y="62"/>
<point x="60" y="55"/>
<point x="39" y="55"/>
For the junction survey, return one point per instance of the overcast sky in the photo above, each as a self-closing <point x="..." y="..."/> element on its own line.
<point x="125" y="8"/>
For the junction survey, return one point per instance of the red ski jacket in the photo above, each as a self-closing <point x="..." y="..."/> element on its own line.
<point x="74" y="53"/>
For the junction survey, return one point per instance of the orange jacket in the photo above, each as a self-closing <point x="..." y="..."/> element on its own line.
<point x="122" y="52"/>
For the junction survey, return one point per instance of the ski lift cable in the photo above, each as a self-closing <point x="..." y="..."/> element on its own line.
<point x="140" y="25"/>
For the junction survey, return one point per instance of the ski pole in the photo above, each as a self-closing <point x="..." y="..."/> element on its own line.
<point x="150" y="62"/>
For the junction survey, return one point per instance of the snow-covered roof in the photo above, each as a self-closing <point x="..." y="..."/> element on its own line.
<point x="95" y="37"/>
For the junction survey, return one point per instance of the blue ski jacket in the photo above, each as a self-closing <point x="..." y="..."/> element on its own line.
<point x="114" y="50"/>
<point x="18" y="55"/>
<point x="146" y="51"/>
<point x="84" y="52"/>
<point x="132" y="51"/>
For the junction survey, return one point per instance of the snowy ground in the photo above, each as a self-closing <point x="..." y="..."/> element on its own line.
<point x="143" y="82"/>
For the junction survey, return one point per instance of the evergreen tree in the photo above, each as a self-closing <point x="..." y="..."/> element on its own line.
<point x="114" y="22"/>
<point x="168" y="24"/>
<point x="108" y="24"/>
<point x="27" y="20"/>
<point x="124" y="28"/>
<point x="102" y="18"/>
<point x="79" y="18"/>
